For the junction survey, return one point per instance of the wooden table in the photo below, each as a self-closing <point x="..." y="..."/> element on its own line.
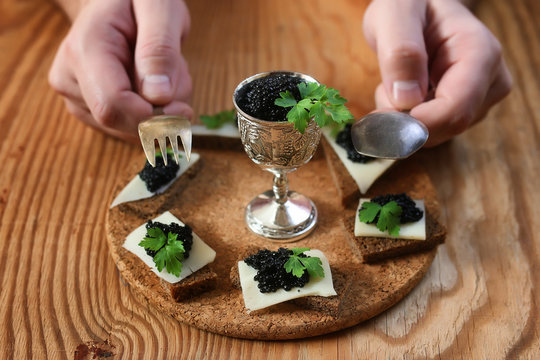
<point x="60" y="290"/>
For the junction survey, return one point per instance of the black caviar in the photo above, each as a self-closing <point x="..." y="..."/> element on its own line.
<point x="409" y="211"/>
<point x="344" y="140"/>
<point x="271" y="274"/>
<point x="257" y="97"/>
<point x="156" y="177"/>
<point x="184" y="233"/>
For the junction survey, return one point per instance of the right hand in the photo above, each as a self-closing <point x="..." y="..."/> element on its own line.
<point x="442" y="44"/>
<point x="119" y="59"/>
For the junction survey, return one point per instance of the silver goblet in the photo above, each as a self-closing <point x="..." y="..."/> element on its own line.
<point x="278" y="214"/>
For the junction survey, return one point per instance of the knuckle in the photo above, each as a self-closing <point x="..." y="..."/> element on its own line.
<point x="405" y="51"/>
<point x="105" y="113"/>
<point x="496" y="47"/>
<point x="55" y="81"/>
<point x="507" y="83"/>
<point x="72" y="108"/>
<point x="161" y="49"/>
<point x="461" y="123"/>
<point x="58" y="75"/>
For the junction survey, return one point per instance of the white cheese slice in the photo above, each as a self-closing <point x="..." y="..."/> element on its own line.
<point x="227" y="130"/>
<point x="410" y="231"/>
<point x="136" y="188"/>
<point x="363" y="174"/>
<point x="255" y="300"/>
<point x="199" y="255"/>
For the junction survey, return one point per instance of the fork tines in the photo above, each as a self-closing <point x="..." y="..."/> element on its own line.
<point x="161" y="128"/>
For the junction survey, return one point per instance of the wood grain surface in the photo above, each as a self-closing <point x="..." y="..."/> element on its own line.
<point x="61" y="295"/>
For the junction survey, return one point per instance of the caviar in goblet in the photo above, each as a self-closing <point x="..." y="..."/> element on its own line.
<point x="276" y="146"/>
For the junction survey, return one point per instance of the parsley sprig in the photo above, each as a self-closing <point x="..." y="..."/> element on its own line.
<point x="170" y="250"/>
<point x="297" y="265"/>
<point x="218" y="120"/>
<point x="323" y="104"/>
<point x="389" y="216"/>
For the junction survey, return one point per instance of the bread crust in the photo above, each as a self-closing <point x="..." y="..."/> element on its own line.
<point x="345" y="184"/>
<point x="162" y="202"/>
<point x="199" y="282"/>
<point x="410" y="178"/>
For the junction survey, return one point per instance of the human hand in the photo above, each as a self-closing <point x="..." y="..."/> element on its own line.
<point x="436" y="42"/>
<point x="119" y="59"/>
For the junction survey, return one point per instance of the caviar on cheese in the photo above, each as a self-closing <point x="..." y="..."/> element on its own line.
<point x="409" y="211"/>
<point x="136" y="189"/>
<point x="168" y="245"/>
<point x="344" y="140"/>
<point x="364" y="174"/>
<point x="197" y="253"/>
<point x="271" y="273"/>
<point x="255" y="299"/>
<point x="380" y="216"/>
<point x="183" y="233"/>
<point x="161" y="174"/>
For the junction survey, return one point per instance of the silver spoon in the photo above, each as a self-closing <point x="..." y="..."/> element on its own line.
<point x="389" y="135"/>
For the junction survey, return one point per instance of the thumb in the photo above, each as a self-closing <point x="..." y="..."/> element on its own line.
<point x="395" y="31"/>
<point x="160" y="25"/>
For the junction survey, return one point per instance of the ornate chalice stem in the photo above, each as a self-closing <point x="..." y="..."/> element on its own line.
<point x="281" y="187"/>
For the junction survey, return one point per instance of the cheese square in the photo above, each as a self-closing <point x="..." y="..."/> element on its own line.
<point x="363" y="174"/>
<point x="256" y="300"/>
<point x="411" y="231"/>
<point x="199" y="255"/>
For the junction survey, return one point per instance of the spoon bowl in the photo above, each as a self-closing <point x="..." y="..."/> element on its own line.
<point x="388" y="135"/>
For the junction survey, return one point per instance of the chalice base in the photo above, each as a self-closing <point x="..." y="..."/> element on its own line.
<point x="282" y="222"/>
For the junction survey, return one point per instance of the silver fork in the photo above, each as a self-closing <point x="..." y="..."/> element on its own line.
<point x="160" y="127"/>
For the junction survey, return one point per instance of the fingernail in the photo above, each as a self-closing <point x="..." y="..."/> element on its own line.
<point x="407" y="94"/>
<point x="155" y="86"/>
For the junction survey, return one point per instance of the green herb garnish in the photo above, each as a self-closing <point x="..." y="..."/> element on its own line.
<point x="389" y="215"/>
<point x="297" y="265"/>
<point x="169" y="152"/>
<point x="319" y="102"/>
<point x="218" y="120"/>
<point x="170" y="251"/>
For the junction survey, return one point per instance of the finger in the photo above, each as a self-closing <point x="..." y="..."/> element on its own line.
<point x="178" y="108"/>
<point x="157" y="51"/>
<point x="458" y="97"/>
<point x="185" y="85"/>
<point x="60" y="76"/>
<point x="66" y="85"/>
<point x="469" y="84"/>
<point x="86" y="117"/>
<point x="501" y="86"/>
<point x="106" y="88"/>
<point x="381" y="98"/>
<point x="396" y="32"/>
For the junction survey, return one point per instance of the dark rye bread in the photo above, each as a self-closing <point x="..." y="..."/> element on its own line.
<point x="136" y="272"/>
<point x="195" y="284"/>
<point x="411" y="178"/>
<point x="331" y="305"/>
<point x="157" y="203"/>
